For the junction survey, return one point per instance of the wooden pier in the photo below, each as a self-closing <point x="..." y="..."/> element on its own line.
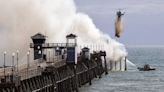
<point x="66" y="75"/>
<point x="59" y="77"/>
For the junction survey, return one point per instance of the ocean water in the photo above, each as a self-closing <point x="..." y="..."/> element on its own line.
<point x="134" y="80"/>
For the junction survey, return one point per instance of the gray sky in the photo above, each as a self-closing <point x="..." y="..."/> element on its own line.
<point x="143" y="20"/>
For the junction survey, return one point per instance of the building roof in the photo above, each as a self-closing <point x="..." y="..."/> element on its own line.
<point x="85" y="49"/>
<point x="71" y="36"/>
<point x="38" y="36"/>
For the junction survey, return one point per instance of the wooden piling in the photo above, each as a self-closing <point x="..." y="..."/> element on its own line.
<point x="115" y="65"/>
<point x="120" y="65"/>
<point x="106" y="68"/>
<point x="125" y="64"/>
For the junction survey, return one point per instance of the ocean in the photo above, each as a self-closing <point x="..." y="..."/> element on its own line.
<point x="134" y="80"/>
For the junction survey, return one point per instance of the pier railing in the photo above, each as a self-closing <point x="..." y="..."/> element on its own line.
<point x="54" y="45"/>
<point x="26" y="74"/>
<point x="8" y="71"/>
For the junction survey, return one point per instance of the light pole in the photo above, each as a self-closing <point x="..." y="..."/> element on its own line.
<point x="13" y="54"/>
<point x="49" y="55"/>
<point x="57" y="51"/>
<point x="4" y="65"/>
<point x="29" y="53"/>
<point x="17" y="60"/>
<point x="28" y="56"/>
<point x="53" y="56"/>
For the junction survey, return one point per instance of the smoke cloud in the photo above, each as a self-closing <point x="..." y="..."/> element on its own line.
<point x="20" y="19"/>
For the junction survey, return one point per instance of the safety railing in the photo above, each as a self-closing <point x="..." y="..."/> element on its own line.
<point x="55" y="45"/>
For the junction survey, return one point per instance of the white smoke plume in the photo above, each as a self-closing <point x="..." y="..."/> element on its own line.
<point x="20" y="19"/>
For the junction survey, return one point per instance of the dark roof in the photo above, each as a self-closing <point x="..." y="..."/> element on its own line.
<point x="38" y="36"/>
<point x="71" y="36"/>
<point x="85" y="49"/>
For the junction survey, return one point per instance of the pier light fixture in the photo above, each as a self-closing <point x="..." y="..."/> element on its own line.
<point x="57" y="48"/>
<point x="13" y="54"/>
<point x="39" y="52"/>
<point x="28" y="53"/>
<point x="5" y="52"/>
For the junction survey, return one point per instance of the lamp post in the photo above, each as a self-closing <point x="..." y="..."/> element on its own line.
<point x="49" y="55"/>
<point x="17" y="60"/>
<point x="53" y="56"/>
<point x="13" y="54"/>
<point x="29" y="53"/>
<point x="57" y="49"/>
<point x="4" y="65"/>
<point x="28" y="58"/>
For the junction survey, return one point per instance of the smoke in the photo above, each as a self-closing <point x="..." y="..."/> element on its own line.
<point x="20" y="19"/>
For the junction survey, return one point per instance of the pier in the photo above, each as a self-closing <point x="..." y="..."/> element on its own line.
<point x="68" y="73"/>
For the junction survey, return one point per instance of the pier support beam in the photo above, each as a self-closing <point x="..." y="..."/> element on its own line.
<point x="120" y="65"/>
<point x="106" y="68"/>
<point x="115" y="65"/>
<point x="125" y="64"/>
<point x="111" y="66"/>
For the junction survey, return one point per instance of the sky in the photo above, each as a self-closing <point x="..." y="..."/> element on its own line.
<point x="143" y="20"/>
